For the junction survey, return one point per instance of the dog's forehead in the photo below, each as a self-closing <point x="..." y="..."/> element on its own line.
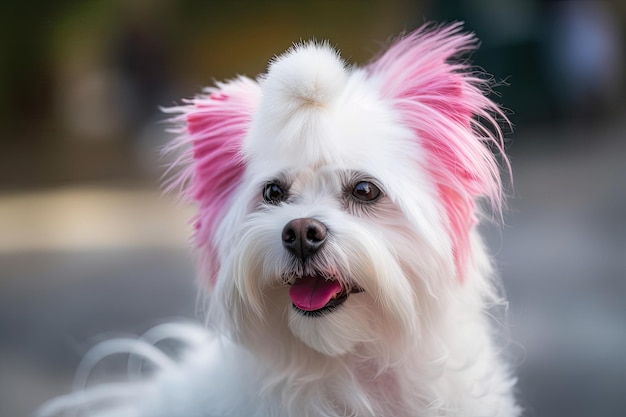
<point x="314" y="111"/>
<point x="314" y="181"/>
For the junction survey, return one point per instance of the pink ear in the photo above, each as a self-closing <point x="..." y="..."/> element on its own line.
<point x="444" y="104"/>
<point x="212" y="129"/>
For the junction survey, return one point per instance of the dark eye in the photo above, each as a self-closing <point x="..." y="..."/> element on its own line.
<point x="273" y="193"/>
<point x="366" y="191"/>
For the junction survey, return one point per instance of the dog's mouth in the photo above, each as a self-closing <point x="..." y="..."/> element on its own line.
<point x="313" y="295"/>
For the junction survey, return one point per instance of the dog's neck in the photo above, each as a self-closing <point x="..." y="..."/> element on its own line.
<point x="358" y="383"/>
<point x="365" y="383"/>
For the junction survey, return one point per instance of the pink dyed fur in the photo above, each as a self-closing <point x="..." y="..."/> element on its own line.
<point x="213" y="126"/>
<point x="439" y="101"/>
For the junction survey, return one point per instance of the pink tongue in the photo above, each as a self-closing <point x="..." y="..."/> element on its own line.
<point x="312" y="293"/>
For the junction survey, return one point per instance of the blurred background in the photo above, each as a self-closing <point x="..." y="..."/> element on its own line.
<point x="90" y="249"/>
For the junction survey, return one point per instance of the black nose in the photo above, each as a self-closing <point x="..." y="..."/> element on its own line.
<point x="303" y="237"/>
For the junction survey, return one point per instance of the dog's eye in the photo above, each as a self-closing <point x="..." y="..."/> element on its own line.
<point x="366" y="191"/>
<point x="273" y="193"/>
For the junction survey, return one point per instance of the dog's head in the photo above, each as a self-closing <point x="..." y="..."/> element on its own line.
<point x="336" y="202"/>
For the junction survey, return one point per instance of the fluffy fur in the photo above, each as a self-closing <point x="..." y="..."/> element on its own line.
<point x="415" y="339"/>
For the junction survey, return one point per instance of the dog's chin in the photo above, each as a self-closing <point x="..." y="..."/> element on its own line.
<point x="332" y="331"/>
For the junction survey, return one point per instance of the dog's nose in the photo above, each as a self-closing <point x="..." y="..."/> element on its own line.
<point x="303" y="237"/>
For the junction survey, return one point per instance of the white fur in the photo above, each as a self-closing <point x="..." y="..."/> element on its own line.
<point x="416" y="342"/>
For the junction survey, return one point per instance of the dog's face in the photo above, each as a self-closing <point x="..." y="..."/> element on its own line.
<point x="336" y="203"/>
<point x="325" y="240"/>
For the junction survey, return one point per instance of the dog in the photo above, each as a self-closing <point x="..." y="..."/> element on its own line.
<point x="337" y="243"/>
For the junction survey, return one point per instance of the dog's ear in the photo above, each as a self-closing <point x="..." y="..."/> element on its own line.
<point x="443" y="101"/>
<point x="210" y="166"/>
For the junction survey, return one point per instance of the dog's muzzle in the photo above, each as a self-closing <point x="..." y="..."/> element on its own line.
<point x="312" y="294"/>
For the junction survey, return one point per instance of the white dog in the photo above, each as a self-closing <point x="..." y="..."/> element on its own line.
<point x="338" y="244"/>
